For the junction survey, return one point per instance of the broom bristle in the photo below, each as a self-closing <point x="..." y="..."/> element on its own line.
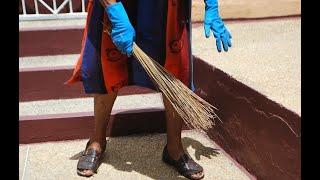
<point x="195" y="112"/>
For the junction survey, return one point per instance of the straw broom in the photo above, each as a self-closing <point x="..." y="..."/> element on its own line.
<point x="195" y="111"/>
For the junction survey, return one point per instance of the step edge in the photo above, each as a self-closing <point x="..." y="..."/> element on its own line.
<point x="85" y="114"/>
<point x="47" y="68"/>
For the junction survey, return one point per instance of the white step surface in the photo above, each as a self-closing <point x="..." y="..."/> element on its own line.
<point x="51" y="24"/>
<point x="123" y="104"/>
<point x="129" y="157"/>
<point x="48" y="61"/>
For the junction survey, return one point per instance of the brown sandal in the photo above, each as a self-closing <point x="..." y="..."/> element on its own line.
<point x="90" y="160"/>
<point x="186" y="166"/>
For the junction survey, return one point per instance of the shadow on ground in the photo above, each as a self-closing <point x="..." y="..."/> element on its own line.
<point x="144" y="156"/>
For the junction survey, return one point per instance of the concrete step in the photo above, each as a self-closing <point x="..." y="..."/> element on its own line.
<point x="252" y="127"/>
<point x="62" y="119"/>
<point x="123" y="104"/>
<point x="41" y="41"/>
<point x="51" y="24"/>
<point x="129" y="157"/>
<point x="52" y="72"/>
<point x="34" y="62"/>
<point x="42" y="84"/>
<point x="265" y="55"/>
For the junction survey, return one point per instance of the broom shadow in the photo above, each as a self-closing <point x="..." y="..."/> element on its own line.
<point x="131" y="158"/>
<point x="200" y="149"/>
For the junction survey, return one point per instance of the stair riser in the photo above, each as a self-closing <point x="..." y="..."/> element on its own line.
<point x="39" y="42"/>
<point x="256" y="132"/>
<point x="47" y="84"/>
<point x="35" y="129"/>
<point x="47" y="129"/>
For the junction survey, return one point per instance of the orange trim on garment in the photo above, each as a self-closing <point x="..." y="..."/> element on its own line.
<point x="114" y="64"/>
<point x="177" y="46"/>
<point x="76" y="76"/>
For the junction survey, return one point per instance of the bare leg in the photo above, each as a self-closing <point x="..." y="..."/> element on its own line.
<point x="103" y="104"/>
<point x="174" y="128"/>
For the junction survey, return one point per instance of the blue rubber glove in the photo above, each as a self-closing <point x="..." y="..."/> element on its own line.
<point x="122" y="34"/>
<point x="213" y="22"/>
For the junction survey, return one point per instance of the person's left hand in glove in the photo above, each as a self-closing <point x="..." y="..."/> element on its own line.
<point x="214" y="23"/>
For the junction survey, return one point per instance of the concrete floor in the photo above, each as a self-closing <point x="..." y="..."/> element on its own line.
<point x="265" y="55"/>
<point x="131" y="157"/>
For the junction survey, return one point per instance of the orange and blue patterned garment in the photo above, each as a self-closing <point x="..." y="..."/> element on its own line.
<point x="162" y="31"/>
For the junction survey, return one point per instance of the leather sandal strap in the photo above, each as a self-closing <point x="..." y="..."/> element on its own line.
<point x="89" y="160"/>
<point x="185" y="164"/>
<point x="189" y="166"/>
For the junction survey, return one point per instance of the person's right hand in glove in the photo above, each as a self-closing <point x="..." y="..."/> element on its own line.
<point x="122" y="33"/>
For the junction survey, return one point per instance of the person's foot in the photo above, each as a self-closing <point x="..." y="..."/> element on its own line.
<point x="98" y="147"/>
<point x="177" y="154"/>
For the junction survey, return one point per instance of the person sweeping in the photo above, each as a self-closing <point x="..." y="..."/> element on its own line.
<point x="162" y="29"/>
